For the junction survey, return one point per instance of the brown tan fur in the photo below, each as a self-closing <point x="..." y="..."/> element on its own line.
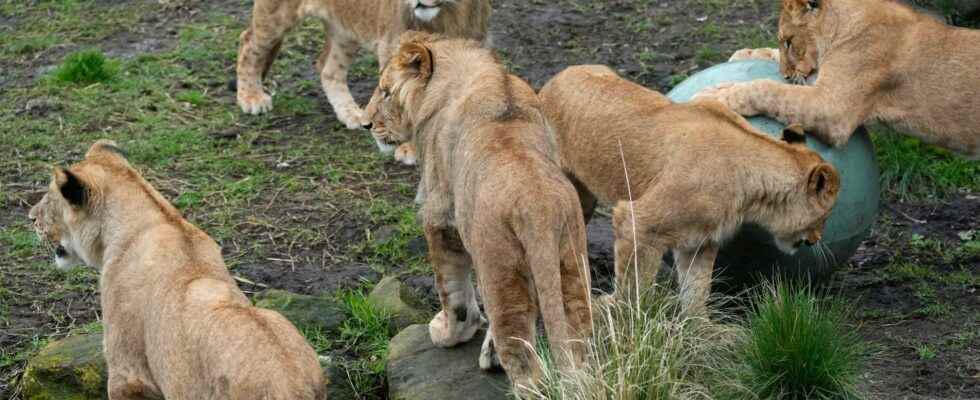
<point x="176" y="325"/>
<point x="619" y="141"/>
<point x="350" y="24"/>
<point x="878" y="60"/>
<point x="494" y="201"/>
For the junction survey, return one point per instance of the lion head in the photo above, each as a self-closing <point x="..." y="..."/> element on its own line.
<point x="797" y="38"/>
<point x="69" y="216"/>
<point x="809" y="202"/>
<point x="400" y="89"/>
<point x="427" y="10"/>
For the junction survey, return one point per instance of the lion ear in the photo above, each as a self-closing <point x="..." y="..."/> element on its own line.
<point x="823" y="183"/>
<point x="71" y="187"/>
<point x="794" y="134"/>
<point x="417" y="58"/>
<point x="105" y="146"/>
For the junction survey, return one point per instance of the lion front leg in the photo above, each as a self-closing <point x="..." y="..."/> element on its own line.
<point x="694" y="268"/>
<point x="333" y="77"/>
<point x="831" y="115"/>
<point x="460" y="316"/>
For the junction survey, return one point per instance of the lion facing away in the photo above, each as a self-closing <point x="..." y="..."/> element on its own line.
<point x="494" y="201"/>
<point x="878" y="60"/>
<point x="349" y="24"/>
<point x="682" y="177"/>
<point x="176" y="325"/>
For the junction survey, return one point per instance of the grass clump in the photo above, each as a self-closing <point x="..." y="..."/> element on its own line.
<point x="86" y="67"/>
<point x="791" y="344"/>
<point x="646" y="349"/>
<point x="799" y="347"/>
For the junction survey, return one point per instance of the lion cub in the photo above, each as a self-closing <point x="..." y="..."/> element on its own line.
<point x="695" y="173"/>
<point x="176" y="325"/>
<point x="493" y="200"/>
<point x="350" y="24"/>
<point x="878" y="60"/>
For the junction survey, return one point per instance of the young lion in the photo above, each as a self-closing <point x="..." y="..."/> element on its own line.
<point x="494" y="200"/>
<point x="878" y="60"/>
<point x="695" y="173"/>
<point x="350" y="24"/>
<point x="176" y="325"/>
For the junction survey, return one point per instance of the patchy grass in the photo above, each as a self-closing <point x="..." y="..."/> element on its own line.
<point x="800" y="347"/>
<point x="911" y="169"/>
<point x="86" y="67"/>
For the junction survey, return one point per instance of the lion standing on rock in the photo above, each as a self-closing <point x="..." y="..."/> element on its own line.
<point x="682" y="177"/>
<point x="176" y="324"/>
<point x="494" y="201"/>
<point x="350" y="24"/>
<point x="878" y="60"/>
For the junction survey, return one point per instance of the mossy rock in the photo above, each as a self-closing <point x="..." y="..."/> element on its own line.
<point x="400" y="301"/>
<point x="69" y="369"/>
<point x="418" y="370"/>
<point x="306" y="312"/>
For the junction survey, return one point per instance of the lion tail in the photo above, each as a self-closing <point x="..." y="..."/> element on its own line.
<point x="562" y="291"/>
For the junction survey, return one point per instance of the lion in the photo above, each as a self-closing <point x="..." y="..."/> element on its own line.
<point x="681" y="177"/>
<point x="176" y="325"/>
<point x="375" y="24"/>
<point x="878" y="61"/>
<point x="493" y="201"/>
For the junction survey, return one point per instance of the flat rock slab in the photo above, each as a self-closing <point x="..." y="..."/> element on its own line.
<point x="306" y="312"/>
<point x="417" y="370"/>
<point x="71" y="368"/>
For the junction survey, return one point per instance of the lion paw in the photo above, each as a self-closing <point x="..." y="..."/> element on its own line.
<point x="405" y="154"/>
<point x="448" y="333"/>
<point x="352" y="116"/>
<point x="488" y="355"/>
<point x="255" y="102"/>
<point x="756" y="54"/>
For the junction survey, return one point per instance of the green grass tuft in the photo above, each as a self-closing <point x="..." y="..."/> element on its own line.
<point x="799" y="346"/>
<point x="911" y="169"/>
<point x="366" y="332"/>
<point x="86" y="67"/>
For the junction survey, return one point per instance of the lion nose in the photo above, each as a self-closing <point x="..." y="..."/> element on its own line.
<point x="368" y="125"/>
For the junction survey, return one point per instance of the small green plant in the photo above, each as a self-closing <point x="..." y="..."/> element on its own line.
<point x="86" y="67"/>
<point x="366" y="332"/>
<point x="799" y="346"/>
<point x="925" y="352"/>
<point x="708" y="55"/>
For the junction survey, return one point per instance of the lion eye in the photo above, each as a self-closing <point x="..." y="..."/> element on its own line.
<point x="385" y="94"/>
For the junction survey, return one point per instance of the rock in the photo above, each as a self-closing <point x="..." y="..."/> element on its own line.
<point x="417" y="370"/>
<point x="398" y="300"/>
<point x="306" y="312"/>
<point x="338" y="384"/>
<point x="72" y="368"/>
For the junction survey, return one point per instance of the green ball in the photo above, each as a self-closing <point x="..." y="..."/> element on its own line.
<point x="751" y="254"/>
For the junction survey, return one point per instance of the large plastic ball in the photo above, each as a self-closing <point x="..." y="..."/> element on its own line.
<point x="751" y="254"/>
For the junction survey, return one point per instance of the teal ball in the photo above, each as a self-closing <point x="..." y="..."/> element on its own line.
<point x="751" y="254"/>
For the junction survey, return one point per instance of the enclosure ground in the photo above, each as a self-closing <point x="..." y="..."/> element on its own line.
<point x="299" y="203"/>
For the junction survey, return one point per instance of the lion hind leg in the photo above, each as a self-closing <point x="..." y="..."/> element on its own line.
<point x="512" y="313"/>
<point x="460" y="316"/>
<point x="333" y="77"/>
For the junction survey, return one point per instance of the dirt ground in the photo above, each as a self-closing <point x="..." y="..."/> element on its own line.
<point x="299" y="203"/>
